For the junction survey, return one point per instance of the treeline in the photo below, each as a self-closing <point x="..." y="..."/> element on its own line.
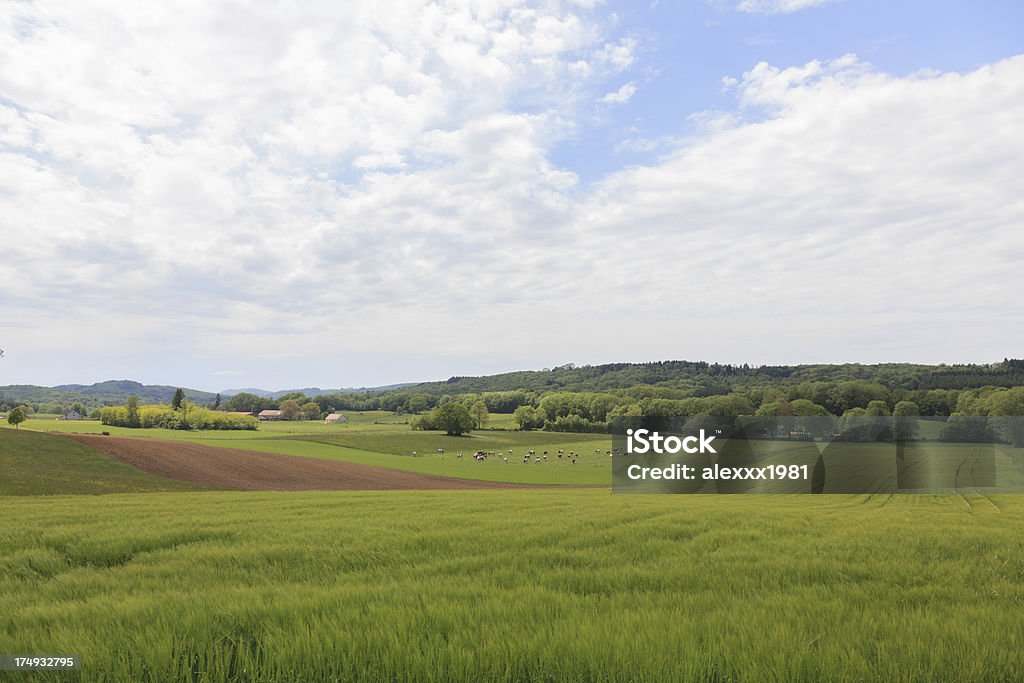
<point x="835" y="388"/>
<point x="167" y="417"/>
<point x="978" y="415"/>
<point x="400" y="401"/>
<point x="586" y="411"/>
<point x="698" y="378"/>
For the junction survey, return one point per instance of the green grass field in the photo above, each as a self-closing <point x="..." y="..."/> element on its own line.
<point x="515" y="585"/>
<point x="40" y="464"/>
<point x="385" y="440"/>
<point x="374" y="420"/>
<point x="578" y="585"/>
<point x="375" y="441"/>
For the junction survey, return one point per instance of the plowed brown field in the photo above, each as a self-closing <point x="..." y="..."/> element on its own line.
<point x="253" y="470"/>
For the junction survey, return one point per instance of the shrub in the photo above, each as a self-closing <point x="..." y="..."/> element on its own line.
<point x="165" y="417"/>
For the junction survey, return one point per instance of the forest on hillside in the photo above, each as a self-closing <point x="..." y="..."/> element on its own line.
<point x="585" y="398"/>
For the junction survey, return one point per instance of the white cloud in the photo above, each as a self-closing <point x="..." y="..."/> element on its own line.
<point x="778" y="6"/>
<point x="856" y="214"/>
<point x="620" y="96"/>
<point x="299" y="184"/>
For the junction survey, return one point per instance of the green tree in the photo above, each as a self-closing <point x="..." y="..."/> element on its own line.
<point x="967" y="429"/>
<point x="1007" y="411"/>
<point x="133" y="412"/>
<point x="216" y="403"/>
<point x="247" y="403"/>
<point x="776" y="417"/>
<point x="179" y="396"/>
<point x="803" y="407"/>
<point x="16" y="417"/>
<point x="877" y="408"/>
<point x="424" y="422"/>
<point x="453" y="418"/>
<point x="417" y="403"/>
<point x="311" y="411"/>
<point x="478" y="411"/>
<point x="526" y="417"/>
<point x="290" y="410"/>
<point x="905" y="424"/>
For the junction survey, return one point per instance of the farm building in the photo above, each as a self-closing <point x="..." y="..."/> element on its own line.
<point x="70" y="415"/>
<point x="241" y="413"/>
<point x="269" y="415"/>
<point x="335" y="418"/>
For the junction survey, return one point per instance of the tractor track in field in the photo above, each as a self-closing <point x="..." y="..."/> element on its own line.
<point x="232" y="468"/>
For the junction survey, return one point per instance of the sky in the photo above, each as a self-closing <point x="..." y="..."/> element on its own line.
<point x="225" y="194"/>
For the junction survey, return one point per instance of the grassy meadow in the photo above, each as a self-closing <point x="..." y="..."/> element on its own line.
<point x="385" y="440"/>
<point x="578" y="585"/>
<point x="42" y="464"/>
<point x="369" y="421"/>
<point x="158" y="581"/>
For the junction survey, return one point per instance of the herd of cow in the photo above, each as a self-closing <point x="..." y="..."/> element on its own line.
<point x="481" y="456"/>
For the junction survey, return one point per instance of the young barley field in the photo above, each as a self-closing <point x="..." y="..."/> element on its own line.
<point x="565" y="585"/>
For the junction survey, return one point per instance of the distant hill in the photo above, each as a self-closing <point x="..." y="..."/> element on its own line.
<point x="111" y="392"/>
<point x="311" y="392"/>
<point x="117" y="391"/>
<point x="678" y="378"/>
<point x="699" y="378"/>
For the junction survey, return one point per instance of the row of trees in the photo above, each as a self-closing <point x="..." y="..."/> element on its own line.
<point x="185" y="416"/>
<point x="835" y="398"/>
<point x="50" y="408"/>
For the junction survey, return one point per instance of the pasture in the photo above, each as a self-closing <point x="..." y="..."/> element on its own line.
<point x="515" y="585"/>
<point x="373" y="439"/>
<point x="382" y="439"/>
<point x="369" y="420"/>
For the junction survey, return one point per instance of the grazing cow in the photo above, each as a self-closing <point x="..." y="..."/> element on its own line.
<point x="440" y="450"/>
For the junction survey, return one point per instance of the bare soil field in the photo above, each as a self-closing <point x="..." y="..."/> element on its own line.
<point x="252" y="470"/>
